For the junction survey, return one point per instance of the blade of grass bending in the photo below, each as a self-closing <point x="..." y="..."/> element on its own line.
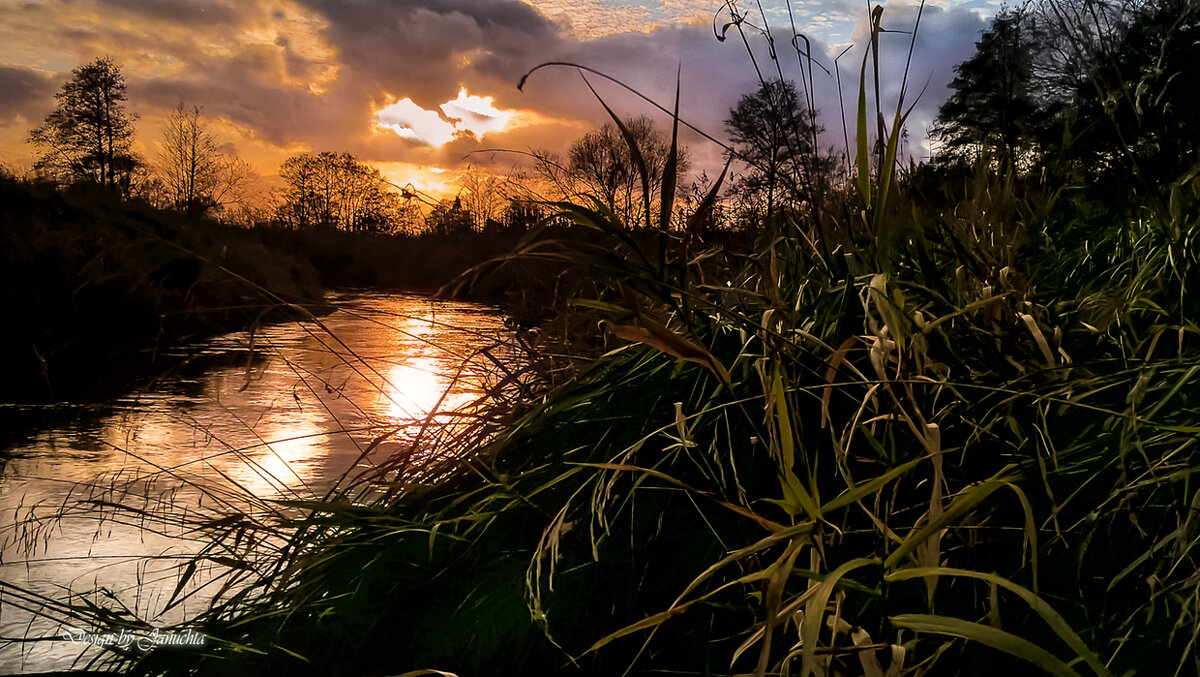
<point x="634" y="151"/>
<point x="777" y="576"/>
<point x="987" y="635"/>
<point x="790" y="534"/>
<point x="960" y="505"/>
<point x="869" y="487"/>
<point x="1030" y="530"/>
<point x="1174" y="390"/>
<point x="655" y="620"/>
<point x="814" y="611"/>
<point x="769" y="525"/>
<point x="186" y="576"/>
<point x="799" y="530"/>
<point x="603" y="220"/>
<point x="793" y="488"/>
<point x="657" y="336"/>
<point x="631" y="90"/>
<point x="599" y="305"/>
<point x="1056" y="622"/>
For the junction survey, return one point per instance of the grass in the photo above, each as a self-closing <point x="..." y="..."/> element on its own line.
<point x="966" y="444"/>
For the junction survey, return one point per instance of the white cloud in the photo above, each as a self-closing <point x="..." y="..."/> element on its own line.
<point x="476" y="114"/>
<point x="466" y="115"/>
<point x="413" y="122"/>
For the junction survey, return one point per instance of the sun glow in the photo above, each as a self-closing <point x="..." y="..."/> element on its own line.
<point x="434" y="181"/>
<point x="411" y="121"/>
<point x="467" y="115"/>
<point x="476" y="114"/>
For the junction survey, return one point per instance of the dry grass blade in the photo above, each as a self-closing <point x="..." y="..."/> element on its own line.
<point x="659" y="337"/>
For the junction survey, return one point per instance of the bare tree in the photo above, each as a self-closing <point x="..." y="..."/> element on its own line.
<point x="601" y="165"/>
<point x="331" y="190"/>
<point x="198" y="177"/>
<point x="774" y="133"/>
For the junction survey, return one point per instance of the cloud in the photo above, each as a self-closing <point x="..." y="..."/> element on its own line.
<point x="440" y="75"/>
<point x="476" y="114"/>
<point x="23" y="94"/>
<point x="190" y="12"/>
<point x="410" y="121"/>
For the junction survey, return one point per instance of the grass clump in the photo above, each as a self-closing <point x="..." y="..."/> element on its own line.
<point x="900" y="438"/>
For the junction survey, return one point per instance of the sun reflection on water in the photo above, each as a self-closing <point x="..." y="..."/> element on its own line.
<point x="286" y="422"/>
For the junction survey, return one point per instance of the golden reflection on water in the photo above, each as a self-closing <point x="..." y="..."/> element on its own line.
<point x="286" y="422"/>
<point x="416" y="388"/>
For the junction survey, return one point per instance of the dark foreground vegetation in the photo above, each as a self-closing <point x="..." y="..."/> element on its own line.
<point x="97" y="290"/>
<point x="942" y="422"/>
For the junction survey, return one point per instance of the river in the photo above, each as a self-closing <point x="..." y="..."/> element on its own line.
<point x="284" y="413"/>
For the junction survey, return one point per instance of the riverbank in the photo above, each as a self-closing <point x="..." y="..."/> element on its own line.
<point x="98" y="292"/>
<point x="417" y="263"/>
<point x="971" y="428"/>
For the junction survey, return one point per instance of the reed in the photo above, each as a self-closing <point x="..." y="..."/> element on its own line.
<point x="893" y="438"/>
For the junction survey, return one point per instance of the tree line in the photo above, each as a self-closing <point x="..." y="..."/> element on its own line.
<point x="1086" y="90"/>
<point x="88" y="140"/>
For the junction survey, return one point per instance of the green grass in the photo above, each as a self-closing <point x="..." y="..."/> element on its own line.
<point x="953" y="439"/>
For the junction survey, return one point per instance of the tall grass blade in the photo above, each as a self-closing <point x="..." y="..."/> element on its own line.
<point x="1056" y="622"/>
<point x="987" y="635"/>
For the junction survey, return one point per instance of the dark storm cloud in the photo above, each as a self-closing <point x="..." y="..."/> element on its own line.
<point x="419" y="48"/>
<point x="24" y="92"/>
<point x="188" y="12"/>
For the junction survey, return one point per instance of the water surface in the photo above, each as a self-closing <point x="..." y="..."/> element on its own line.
<point x="252" y="419"/>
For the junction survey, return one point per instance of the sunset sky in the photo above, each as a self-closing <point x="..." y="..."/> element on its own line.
<point x="414" y="86"/>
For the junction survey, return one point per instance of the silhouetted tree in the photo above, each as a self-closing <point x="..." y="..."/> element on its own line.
<point x="600" y="164"/>
<point x="991" y="110"/>
<point x="88" y="137"/>
<point x="449" y="218"/>
<point x="331" y="190"/>
<point x="197" y="176"/>
<point x="482" y="195"/>
<point x="522" y="214"/>
<point x="773" y="133"/>
<point x="1139" y="99"/>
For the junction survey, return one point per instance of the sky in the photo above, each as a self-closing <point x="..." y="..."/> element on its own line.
<point x="425" y="89"/>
